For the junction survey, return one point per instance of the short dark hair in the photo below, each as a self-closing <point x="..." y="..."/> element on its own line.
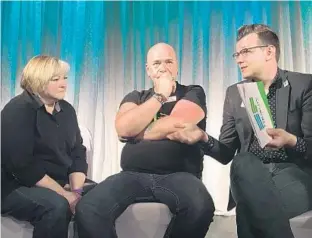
<point x="266" y="35"/>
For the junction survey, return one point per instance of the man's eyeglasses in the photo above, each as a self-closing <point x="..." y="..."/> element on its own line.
<point x="244" y="52"/>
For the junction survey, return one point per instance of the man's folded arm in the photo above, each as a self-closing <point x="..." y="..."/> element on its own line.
<point x="133" y="117"/>
<point x="190" y="109"/>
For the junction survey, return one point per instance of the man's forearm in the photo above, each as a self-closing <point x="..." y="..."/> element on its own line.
<point x="161" y="128"/>
<point x="76" y="180"/>
<point x="48" y="182"/>
<point x="154" y="135"/>
<point x="217" y="150"/>
<point x="132" y="122"/>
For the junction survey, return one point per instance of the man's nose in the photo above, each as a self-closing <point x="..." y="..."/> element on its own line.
<point x="239" y="59"/>
<point x="163" y="67"/>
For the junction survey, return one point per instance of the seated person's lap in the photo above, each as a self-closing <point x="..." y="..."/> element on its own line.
<point x="28" y="204"/>
<point x="295" y="186"/>
<point x="176" y="190"/>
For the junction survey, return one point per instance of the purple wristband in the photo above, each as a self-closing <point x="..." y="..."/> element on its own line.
<point x="78" y="190"/>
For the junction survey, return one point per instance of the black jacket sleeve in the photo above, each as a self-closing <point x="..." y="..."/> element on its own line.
<point x="78" y="152"/>
<point x="17" y="144"/>
<point x="224" y="149"/>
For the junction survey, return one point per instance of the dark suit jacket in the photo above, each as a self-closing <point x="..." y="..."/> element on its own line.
<point x="293" y="113"/>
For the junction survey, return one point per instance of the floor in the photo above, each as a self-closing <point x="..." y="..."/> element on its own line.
<point x="222" y="227"/>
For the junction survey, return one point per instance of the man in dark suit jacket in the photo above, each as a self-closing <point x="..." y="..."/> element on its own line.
<point x="273" y="184"/>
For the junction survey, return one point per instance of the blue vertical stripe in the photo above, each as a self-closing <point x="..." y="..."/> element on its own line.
<point x="166" y="21"/>
<point x="306" y="16"/>
<point x="195" y="35"/>
<point x="96" y="37"/>
<point x="256" y="10"/>
<point x="24" y="41"/>
<point x="134" y="44"/>
<point x="124" y="36"/>
<point x="142" y="41"/>
<point x="37" y="26"/>
<point x="181" y="34"/>
<point x="13" y="35"/>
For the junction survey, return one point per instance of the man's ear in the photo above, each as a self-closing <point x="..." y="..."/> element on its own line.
<point x="147" y="70"/>
<point x="271" y="52"/>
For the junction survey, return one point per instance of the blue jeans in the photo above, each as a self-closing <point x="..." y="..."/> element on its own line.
<point x="45" y="209"/>
<point x="184" y="194"/>
<point x="268" y="195"/>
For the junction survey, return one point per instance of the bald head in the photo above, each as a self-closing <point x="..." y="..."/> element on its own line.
<point x="160" y="49"/>
<point x="161" y="59"/>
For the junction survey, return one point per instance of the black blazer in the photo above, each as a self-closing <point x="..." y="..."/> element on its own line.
<point x="293" y="113"/>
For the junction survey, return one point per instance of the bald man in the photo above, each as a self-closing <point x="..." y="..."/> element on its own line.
<point x="154" y="168"/>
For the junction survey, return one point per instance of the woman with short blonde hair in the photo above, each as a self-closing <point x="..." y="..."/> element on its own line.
<point x="43" y="159"/>
<point x="40" y="70"/>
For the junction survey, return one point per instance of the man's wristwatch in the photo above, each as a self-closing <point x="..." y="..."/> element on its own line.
<point x="160" y="98"/>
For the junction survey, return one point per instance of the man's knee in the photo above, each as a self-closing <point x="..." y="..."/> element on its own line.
<point x="195" y="220"/>
<point x="205" y="211"/>
<point x="201" y="207"/>
<point x="88" y="208"/>
<point x="243" y="165"/>
<point x="195" y="198"/>
<point x="83" y="210"/>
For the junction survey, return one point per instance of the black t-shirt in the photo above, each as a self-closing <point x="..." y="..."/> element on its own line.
<point x="165" y="156"/>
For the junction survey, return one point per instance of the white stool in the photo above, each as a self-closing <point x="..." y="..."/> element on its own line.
<point x="143" y="220"/>
<point x="302" y="225"/>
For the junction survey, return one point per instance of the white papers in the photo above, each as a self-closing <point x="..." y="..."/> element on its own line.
<point x="258" y="110"/>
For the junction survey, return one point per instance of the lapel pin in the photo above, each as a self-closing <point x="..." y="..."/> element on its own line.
<point x="242" y="105"/>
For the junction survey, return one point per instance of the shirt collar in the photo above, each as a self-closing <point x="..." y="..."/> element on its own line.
<point x="277" y="81"/>
<point x="36" y="101"/>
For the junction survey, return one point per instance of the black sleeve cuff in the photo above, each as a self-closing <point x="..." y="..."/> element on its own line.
<point x="210" y="142"/>
<point x="207" y="145"/>
<point x="300" y="146"/>
<point x="79" y="165"/>
<point x="300" y="149"/>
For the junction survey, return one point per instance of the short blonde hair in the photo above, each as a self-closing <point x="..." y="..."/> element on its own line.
<point x="40" y="70"/>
